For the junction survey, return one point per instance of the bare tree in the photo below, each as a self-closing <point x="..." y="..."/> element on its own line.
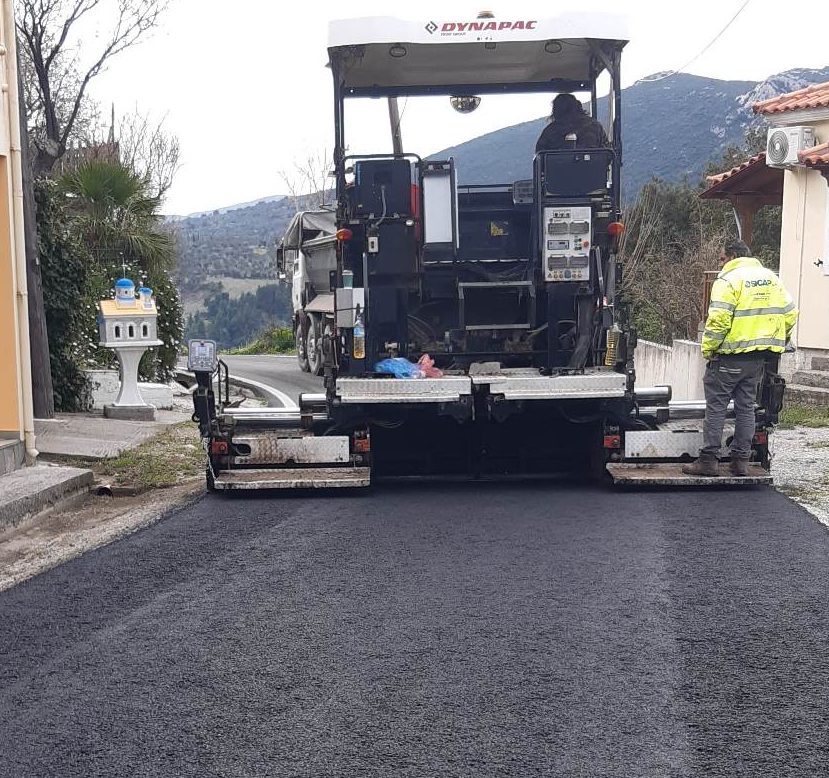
<point x="664" y="282"/>
<point x="308" y="183"/>
<point x="149" y="150"/>
<point x="56" y="99"/>
<point x="88" y="118"/>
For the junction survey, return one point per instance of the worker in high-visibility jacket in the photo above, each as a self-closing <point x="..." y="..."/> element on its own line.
<point x="750" y="320"/>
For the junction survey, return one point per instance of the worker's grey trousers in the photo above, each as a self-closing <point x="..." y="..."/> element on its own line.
<point x="728" y="377"/>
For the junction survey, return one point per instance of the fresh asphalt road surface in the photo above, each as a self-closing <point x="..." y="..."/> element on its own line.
<point x="463" y="630"/>
<point x="281" y="372"/>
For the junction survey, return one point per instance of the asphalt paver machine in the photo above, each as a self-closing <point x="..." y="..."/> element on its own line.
<point x="511" y="289"/>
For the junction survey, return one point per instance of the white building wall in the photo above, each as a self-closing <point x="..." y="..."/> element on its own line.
<point x="804" y="253"/>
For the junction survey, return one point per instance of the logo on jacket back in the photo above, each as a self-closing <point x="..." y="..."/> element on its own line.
<point x="758" y="282"/>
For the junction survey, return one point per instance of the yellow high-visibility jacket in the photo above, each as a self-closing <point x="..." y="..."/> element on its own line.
<point x="750" y="311"/>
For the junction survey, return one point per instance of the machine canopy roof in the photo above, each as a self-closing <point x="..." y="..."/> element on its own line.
<point x="383" y="55"/>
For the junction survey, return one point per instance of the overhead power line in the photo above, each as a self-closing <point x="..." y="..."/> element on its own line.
<point x="701" y="52"/>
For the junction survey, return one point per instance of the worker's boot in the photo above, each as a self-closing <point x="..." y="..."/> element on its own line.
<point x="706" y="465"/>
<point x="739" y="467"/>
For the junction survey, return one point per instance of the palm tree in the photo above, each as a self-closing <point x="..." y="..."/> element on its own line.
<point x="113" y="213"/>
<point x="117" y="217"/>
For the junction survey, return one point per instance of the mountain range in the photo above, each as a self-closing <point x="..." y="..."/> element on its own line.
<point x="673" y="125"/>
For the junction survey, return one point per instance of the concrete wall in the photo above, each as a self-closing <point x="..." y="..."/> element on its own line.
<point x="12" y="454"/>
<point x="803" y="242"/>
<point x="681" y="367"/>
<point x="105" y="385"/>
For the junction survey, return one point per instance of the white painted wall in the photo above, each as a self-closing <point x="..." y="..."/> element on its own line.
<point x="105" y="385"/>
<point x="803" y="242"/>
<point x="681" y="367"/>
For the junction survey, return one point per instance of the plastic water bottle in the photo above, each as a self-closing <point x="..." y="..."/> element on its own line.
<point x="359" y="337"/>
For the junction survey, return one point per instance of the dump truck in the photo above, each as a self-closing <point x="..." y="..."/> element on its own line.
<point x="472" y="330"/>
<point x="308" y="254"/>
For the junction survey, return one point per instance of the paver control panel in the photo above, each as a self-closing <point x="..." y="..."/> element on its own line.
<point x="567" y="242"/>
<point x="202" y="356"/>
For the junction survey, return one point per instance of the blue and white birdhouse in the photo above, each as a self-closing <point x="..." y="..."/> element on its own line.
<point x="128" y="325"/>
<point x="128" y="319"/>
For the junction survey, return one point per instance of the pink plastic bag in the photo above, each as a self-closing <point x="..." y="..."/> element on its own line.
<point x="427" y="367"/>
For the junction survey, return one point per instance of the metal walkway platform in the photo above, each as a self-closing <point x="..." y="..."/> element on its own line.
<point x="294" y="478"/>
<point x="664" y="474"/>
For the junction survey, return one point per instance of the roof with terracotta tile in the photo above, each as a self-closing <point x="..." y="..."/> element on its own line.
<point x="816" y="156"/>
<point x="814" y="96"/>
<point x="719" y="177"/>
<point x="752" y="179"/>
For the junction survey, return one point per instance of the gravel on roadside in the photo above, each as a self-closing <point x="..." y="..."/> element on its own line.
<point x="800" y="465"/>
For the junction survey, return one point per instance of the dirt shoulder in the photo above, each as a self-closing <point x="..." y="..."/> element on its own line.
<point x="56" y="537"/>
<point x="131" y="491"/>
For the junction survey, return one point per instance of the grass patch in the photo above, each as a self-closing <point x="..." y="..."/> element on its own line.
<point x="809" y="493"/>
<point x="168" y="459"/>
<point x="798" y="492"/>
<point x="804" y="416"/>
<point x="274" y="340"/>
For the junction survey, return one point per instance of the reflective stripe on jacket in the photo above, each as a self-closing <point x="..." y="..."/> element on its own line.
<point x="750" y="311"/>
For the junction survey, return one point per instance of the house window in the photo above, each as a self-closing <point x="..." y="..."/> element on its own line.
<point x="131" y="331"/>
<point x="144" y="332"/>
<point x="117" y="332"/>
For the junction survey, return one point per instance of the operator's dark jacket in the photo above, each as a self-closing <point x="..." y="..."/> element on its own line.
<point x="590" y="134"/>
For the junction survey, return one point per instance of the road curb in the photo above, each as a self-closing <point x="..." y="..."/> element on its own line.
<point x="263" y="391"/>
<point x="30" y="490"/>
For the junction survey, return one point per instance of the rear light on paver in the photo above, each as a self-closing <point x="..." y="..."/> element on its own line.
<point x="761" y="438"/>
<point x="218" y="447"/>
<point x="612" y="441"/>
<point x="362" y="443"/>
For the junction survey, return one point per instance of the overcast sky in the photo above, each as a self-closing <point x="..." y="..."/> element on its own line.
<point x="244" y="85"/>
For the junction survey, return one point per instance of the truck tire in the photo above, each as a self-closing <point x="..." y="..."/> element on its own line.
<point x="313" y="346"/>
<point x="301" y="355"/>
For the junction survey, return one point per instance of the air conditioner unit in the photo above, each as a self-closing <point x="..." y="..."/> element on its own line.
<point x="783" y="143"/>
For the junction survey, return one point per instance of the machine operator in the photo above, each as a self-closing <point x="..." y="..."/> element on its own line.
<point x="569" y="119"/>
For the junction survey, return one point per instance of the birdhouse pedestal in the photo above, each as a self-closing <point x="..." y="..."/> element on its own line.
<point x="128" y="326"/>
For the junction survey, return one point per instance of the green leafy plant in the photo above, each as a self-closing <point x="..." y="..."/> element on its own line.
<point x="274" y="340"/>
<point x="118" y="221"/>
<point x="70" y="310"/>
